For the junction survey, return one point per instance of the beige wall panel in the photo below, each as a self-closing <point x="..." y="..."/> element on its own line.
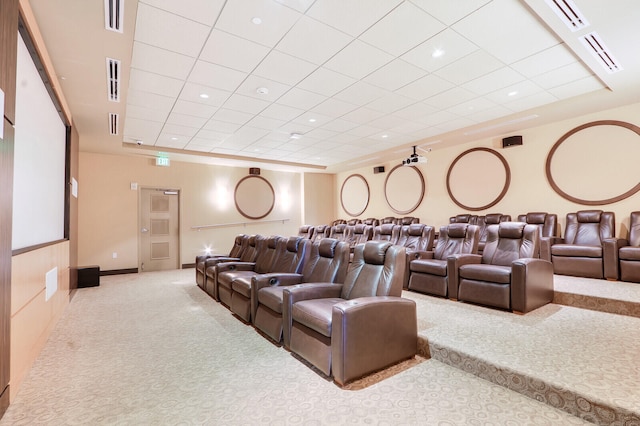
<point x="320" y="198"/>
<point x="529" y="189"/>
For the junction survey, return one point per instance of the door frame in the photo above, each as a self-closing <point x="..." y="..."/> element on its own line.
<point x="139" y="221"/>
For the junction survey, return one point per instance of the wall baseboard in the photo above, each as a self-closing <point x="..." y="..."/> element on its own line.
<point x="119" y="271"/>
<point x="188" y="265"/>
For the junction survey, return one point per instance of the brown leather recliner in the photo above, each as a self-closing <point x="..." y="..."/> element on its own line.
<point x="321" y="231"/>
<point x="359" y="327"/>
<point x="339" y="222"/>
<point x="387" y="232"/>
<point x="388" y="220"/>
<point x="353" y="221"/>
<point x="239" y="244"/>
<point x="484" y="221"/>
<point x="306" y="231"/>
<point x="464" y="218"/>
<point x="630" y="254"/>
<point x="359" y="234"/>
<point x="407" y="220"/>
<point x="417" y="238"/>
<point x="248" y="255"/>
<point x="589" y="248"/>
<point x="289" y="257"/>
<point x="340" y="232"/>
<point x="548" y="225"/>
<point x="428" y="273"/>
<point x="327" y="263"/>
<point x="507" y="275"/>
<point x="371" y="221"/>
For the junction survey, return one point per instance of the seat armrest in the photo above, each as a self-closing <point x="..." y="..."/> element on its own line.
<point x="531" y="284"/>
<point x="371" y="333"/>
<point x="454" y="262"/>
<point x="266" y="280"/>
<point x="421" y="254"/>
<point x="610" y="247"/>
<point x="235" y="266"/>
<point x="298" y="292"/>
<point x="212" y="261"/>
<point x="411" y="255"/>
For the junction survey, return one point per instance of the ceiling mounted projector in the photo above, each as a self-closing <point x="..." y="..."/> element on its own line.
<point x="414" y="159"/>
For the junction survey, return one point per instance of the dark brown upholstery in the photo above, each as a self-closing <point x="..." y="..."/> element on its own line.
<point x="289" y="257"/>
<point x="387" y="232"/>
<point x="630" y="254"/>
<point x="248" y="254"/>
<point x="362" y="326"/>
<point x="306" y="231"/>
<point x="353" y="221"/>
<point x="507" y="275"/>
<point x="359" y="234"/>
<point x="388" y="220"/>
<point x="321" y="231"/>
<point x="548" y="225"/>
<point x="407" y="220"/>
<point x="464" y="218"/>
<point x="338" y="222"/>
<point x="484" y="221"/>
<point x="589" y="248"/>
<point x="340" y="232"/>
<point x="239" y="243"/>
<point x="371" y="221"/>
<point x="327" y="263"/>
<point x="417" y="238"/>
<point x="428" y="274"/>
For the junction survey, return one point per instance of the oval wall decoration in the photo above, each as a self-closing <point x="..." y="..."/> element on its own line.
<point x="254" y="197"/>
<point x="354" y="195"/>
<point x="599" y="155"/>
<point x="466" y="183"/>
<point x="404" y="189"/>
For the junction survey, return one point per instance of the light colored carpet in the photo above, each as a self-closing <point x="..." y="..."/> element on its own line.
<point x="154" y="349"/>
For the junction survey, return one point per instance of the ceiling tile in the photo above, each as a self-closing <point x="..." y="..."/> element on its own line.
<point x="134" y="111"/>
<point x="326" y="82"/>
<point x="493" y="81"/>
<point x="277" y="20"/>
<point x="250" y="86"/>
<point x="261" y="122"/>
<point x="361" y="93"/>
<point x="425" y="87"/>
<point x="150" y="100"/>
<point x="298" y="98"/>
<point x="334" y="107"/>
<point x="578" y="87"/>
<point x="186" y="120"/>
<point x="394" y="75"/>
<point x="161" y="61"/>
<point x="169" y="140"/>
<point x="449" y="12"/>
<point x="364" y="131"/>
<point x="144" y="130"/>
<point x="214" y="97"/>
<point x="402" y="29"/>
<point x="175" y="129"/>
<point x="340" y="125"/>
<point x="471" y="107"/>
<point x="245" y="104"/>
<point x="415" y="111"/>
<point x="313" y="41"/>
<point x="286" y="69"/>
<point x="222" y="48"/>
<point x="535" y="100"/>
<point x="231" y="116"/>
<point x="212" y="75"/>
<point x="221" y="126"/>
<point x="212" y="136"/>
<point x="451" y="44"/>
<point x="350" y="16"/>
<point x="203" y="11"/>
<point x="358" y="59"/>
<point x="545" y="61"/>
<point x="561" y="76"/>
<point x="282" y="112"/>
<point x="194" y="109"/>
<point x="153" y="83"/>
<point x="313" y="119"/>
<point x="450" y="98"/>
<point x="469" y="67"/>
<point x="390" y="103"/>
<point x="363" y="115"/>
<point x="514" y="92"/>
<point x="186" y="36"/>
<point x="299" y="5"/>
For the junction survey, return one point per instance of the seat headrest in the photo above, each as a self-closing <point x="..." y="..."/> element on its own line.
<point x="327" y="247"/>
<point x="589" y="216"/>
<point x="511" y="229"/>
<point x="374" y="252"/>
<point x="293" y="243"/>
<point x="457" y="230"/>
<point x="463" y="218"/>
<point x="415" y="229"/>
<point x="536" y="218"/>
<point x="305" y="228"/>
<point x="272" y="242"/>
<point x="340" y="228"/>
<point x="492" y="218"/>
<point x="359" y="229"/>
<point x="252" y="240"/>
<point x="387" y="228"/>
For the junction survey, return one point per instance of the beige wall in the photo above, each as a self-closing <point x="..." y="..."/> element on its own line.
<point x="108" y="208"/>
<point x="319" y="198"/>
<point x="596" y="166"/>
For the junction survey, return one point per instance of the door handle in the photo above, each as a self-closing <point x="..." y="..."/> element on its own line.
<point x="144" y="230"/>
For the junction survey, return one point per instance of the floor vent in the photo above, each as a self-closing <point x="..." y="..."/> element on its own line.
<point x="113" y="79"/>
<point x="569" y="13"/>
<point x="113" y="14"/>
<point x="594" y="44"/>
<point x="113" y="123"/>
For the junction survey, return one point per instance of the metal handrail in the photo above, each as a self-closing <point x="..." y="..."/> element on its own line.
<point x="226" y="225"/>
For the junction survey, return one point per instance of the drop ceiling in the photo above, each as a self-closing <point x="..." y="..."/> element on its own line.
<point x="355" y="82"/>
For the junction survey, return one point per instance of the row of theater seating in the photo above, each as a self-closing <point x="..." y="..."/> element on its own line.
<point x="347" y="319"/>
<point x="372" y="221"/>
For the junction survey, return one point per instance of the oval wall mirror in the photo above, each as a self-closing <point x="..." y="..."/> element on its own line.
<point x="254" y="197"/>
<point x="404" y="189"/>
<point x="354" y="195"/>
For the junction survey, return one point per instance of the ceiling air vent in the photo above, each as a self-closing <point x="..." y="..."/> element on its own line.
<point x="113" y="14"/>
<point x="113" y="123"/>
<point x="568" y="13"/>
<point x="113" y="79"/>
<point x="594" y="44"/>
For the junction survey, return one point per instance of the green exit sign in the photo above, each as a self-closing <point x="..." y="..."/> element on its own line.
<point x="162" y="161"/>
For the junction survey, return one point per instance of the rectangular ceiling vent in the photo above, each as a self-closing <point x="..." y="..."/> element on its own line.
<point x="596" y="47"/>
<point x="569" y="13"/>
<point x="113" y="79"/>
<point x="113" y="123"/>
<point x="113" y="15"/>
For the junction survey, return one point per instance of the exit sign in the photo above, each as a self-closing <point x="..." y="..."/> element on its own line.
<point x="162" y="161"/>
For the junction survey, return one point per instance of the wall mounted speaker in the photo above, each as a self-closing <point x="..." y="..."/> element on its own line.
<point x="254" y="171"/>
<point x="379" y="169"/>
<point x="511" y="141"/>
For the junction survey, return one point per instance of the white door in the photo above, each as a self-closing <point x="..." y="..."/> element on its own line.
<point x="159" y="230"/>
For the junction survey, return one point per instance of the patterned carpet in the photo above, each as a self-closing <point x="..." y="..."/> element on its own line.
<point x="154" y="349"/>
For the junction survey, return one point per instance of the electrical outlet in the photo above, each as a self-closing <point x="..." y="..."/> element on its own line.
<point x="115" y="255"/>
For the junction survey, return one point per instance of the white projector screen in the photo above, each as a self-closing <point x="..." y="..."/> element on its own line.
<point x="39" y="160"/>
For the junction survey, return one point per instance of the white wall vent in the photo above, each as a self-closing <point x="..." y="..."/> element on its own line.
<point x="113" y="123"/>
<point x="596" y="47"/>
<point x="113" y="15"/>
<point x="113" y="79"/>
<point x="569" y="13"/>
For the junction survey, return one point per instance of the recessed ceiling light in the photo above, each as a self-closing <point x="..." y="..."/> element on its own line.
<point x="312" y="120"/>
<point x="63" y="77"/>
<point x="256" y="20"/>
<point x="437" y="53"/>
<point x="262" y="91"/>
<point x="515" y="92"/>
<point x="295" y="136"/>
<point x="174" y="138"/>
<point x="204" y="96"/>
<point x="384" y="136"/>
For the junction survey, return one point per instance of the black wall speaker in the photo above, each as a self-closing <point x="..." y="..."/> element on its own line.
<point x="511" y="141"/>
<point x="379" y="169"/>
<point x="254" y="171"/>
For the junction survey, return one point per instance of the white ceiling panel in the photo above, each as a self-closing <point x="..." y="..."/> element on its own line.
<point x="299" y="5"/>
<point x="326" y="82"/>
<point x="204" y="95"/>
<point x="221" y="126"/>
<point x="578" y="87"/>
<point x="282" y="112"/>
<point x="340" y="125"/>
<point x="161" y="61"/>
<point x="361" y="93"/>
<point x="532" y="101"/>
<point x="493" y="81"/>
<point x="212" y="75"/>
<point x="134" y="111"/>
<point x="350" y="16"/>
<point x="261" y="122"/>
<point x="203" y="11"/>
<point x="415" y="111"/>
<point x="545" y="61"/>
<point x="513" y="92"/>
<point x="402" y="29"/>
<point x="450" y="12"/>
<point x="561" y="76"/>
<point x="144" y="130"/>
<point x="363" y="115"/>
<point x="303" y="99"/>
<point x="471" y="107"/>
<point x="469" y="67"/>
<point x="186" y="120"/>
<point x="222" y="48"/>
<point x="194" y="109"/>
<point x="175" y="129"/>
<point x="390" y="103"/>
<point x="168" y="31"/>
<point x="251" y="84"/>
<point x="150" y="100"/>
<point x="154" y="83"/>
<point x="358" y="59"/>
<point x="334" y="107"/>
<point x="425" y="87"/>
<point x="450" y="44"/>
<point x="275" y="20"/>
<point x="313" y="41"/>
<point x="283" y="68"/>
<point x="394" y="75"/>
<point x="212" y="136"/>
<point x="449" y="98"/>
<point x="231" y="116"/>
<point x="245" y="104"/>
